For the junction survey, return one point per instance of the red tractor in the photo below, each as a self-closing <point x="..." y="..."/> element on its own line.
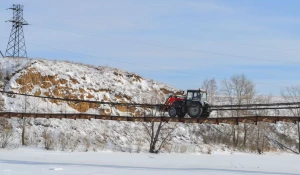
<point x="193" y="103"/>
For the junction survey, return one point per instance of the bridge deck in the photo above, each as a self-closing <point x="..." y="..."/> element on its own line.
<point x="225" y="120"/>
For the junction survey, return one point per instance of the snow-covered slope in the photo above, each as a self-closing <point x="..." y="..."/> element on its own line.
<point x="76" y="81"/>
<point x="79" y="81"/>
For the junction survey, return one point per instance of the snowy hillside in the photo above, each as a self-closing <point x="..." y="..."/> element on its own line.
<point x="76" y="81"/>
<point x="79" y="81"/>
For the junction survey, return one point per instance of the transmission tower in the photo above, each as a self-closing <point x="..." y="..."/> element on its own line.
<point x="16" y="44"/>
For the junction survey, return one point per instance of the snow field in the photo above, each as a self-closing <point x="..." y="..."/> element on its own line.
<point x="31" y="161"/>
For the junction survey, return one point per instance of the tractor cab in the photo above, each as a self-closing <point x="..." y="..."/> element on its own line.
<point x="196" y="95"/>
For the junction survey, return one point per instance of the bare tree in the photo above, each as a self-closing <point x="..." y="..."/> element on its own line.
<point x="292" y="94"/>
<point x="24" y="121"/>
<point x="211" y="86"/>
<point x="1" y="102"/>
<point x="158" y="134"/>
<point x="262" y="128"/>
<point x="48" y="139"/>
<point x="238" y="90"/>
<point x="64" y="140"/>
<point x="6" y="133"/>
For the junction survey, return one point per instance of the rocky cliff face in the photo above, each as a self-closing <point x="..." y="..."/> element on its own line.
<point x="76" y="81"/>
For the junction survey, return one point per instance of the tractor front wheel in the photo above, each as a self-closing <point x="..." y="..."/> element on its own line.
<point x="172" y="112"/>
<point x="195" y="111"/>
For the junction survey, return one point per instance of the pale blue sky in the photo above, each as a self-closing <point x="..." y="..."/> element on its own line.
<point x="189" y="40"/>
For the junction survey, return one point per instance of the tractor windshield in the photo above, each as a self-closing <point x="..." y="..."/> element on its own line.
<point x="193" y="95"/>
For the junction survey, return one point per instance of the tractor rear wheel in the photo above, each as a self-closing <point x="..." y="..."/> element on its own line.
<point x="195" y="111"/>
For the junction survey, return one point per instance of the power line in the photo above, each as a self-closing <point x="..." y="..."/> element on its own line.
<point x="121" y="61"/>
<point x="157" y="45"/>
<point x="148" y="66"/>
<point x="234" y="107"/>
<point x="255" y="46"/>
<point x="174" y="47"/>
<point x="251" y="109"/>
<point x="226" y="42"/>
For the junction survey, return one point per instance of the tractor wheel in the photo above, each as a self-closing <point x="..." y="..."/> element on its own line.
<point x="172" y="112"/>
<point x="195" y="111"/>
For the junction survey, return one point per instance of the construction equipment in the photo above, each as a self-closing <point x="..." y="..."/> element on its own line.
<point x="194" y="103"/>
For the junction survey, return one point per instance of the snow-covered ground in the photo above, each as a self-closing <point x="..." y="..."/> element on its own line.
<point x="74" y="81"/>
<point x="32" y="161"/>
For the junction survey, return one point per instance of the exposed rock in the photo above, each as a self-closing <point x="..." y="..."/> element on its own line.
<point x="81" y="82"/>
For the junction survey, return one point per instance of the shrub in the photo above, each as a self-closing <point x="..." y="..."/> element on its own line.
<point x="6" y="133"/>
<point x="48" y="140"/>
